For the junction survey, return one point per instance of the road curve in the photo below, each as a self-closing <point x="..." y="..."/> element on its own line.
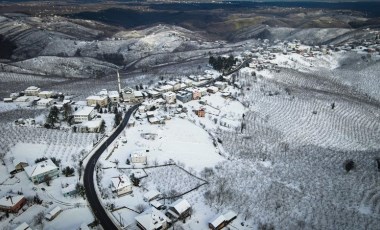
<point x="88" y="177"/>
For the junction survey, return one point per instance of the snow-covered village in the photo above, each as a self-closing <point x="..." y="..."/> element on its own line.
<point x="187" y="133"/>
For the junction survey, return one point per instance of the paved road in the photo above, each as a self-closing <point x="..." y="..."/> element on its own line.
<point x="89" y="171"/>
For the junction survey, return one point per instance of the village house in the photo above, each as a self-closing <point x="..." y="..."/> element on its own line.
<point x="188" y="82"/>
<point x="32" y="91"/>
<point x="153" y="93"/>
<point x="14" y="95"/>
<point x="152" y="219"/>
<point x="102" y="101"/>
<point x="8" y="99"/>
<point x="196" y="93"/>
<point x="128" y="94"/>
<point x="184" y="96"/>
<point x="179" y="209"/>
<point x="138" y="96"/>
<point x="19" y="165"/>
<point x="114" y="96"/>
<point x="92" y="126"/>
<point x="45" y="94"/>
<point x="139" y="158"/>
<point x="156" y="204"/>
<point x="53" y="213"/>
<point x="69" y="190"/>
<point x="12" y="203"/>
<point x="212" y="89"/>
<point x="84" y="114"/>
<point x="221" y="85"/>
<point x="155" y="120"/>
<point x="45" y="102"/>
<point x="219" y="222"/>
<point x="169" y="97"/>
<point x="42" y="171"/>
<point x="23" y="226"/>
<point x="176" y="85"/>
<point x="121" y="185"/>
<point x="164" y="88"/>
<point x="151" y="195"/>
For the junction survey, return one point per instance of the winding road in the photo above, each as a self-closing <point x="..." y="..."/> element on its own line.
<point x="89" y="171"/>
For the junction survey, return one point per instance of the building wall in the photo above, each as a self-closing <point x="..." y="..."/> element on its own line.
<point x="41" y="177"/>
<point x="15" y="208"/>
<point x="102" y="103"/>
<point x="125" y="190"/>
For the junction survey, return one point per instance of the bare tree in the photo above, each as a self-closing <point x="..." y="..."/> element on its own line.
<point x="39" y="217"/>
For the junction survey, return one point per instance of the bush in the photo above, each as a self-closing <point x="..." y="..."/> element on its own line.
<point x="349" y="165"/>
<point x="68" y="171"/>
<point x="40" y="159"/>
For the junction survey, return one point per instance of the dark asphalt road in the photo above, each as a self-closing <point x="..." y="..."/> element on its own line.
<point x="88" y="177"/>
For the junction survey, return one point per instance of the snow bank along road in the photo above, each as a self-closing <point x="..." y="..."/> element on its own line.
<point x="88" y="178"/>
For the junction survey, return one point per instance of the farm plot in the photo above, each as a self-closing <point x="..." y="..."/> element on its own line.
<point x="171" y="180"/>
<point x="308" y="190"/>
<point x="61" y="144"/>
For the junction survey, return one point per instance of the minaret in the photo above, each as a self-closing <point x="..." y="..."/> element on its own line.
<point x="118" y="81"/>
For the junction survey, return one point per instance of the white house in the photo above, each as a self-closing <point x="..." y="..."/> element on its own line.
<point x="169" y="97"/>
<point x="53" y="213"/>
<point x="212" y="89"/>
<point x="114" y="96"/>
<point x="32" y="91"/>
<point x="121" y="185"/>
<point x="8" y="99"/>
<point x="45" y="102"/>
<point x="84" y="114"/>
<point x="128" y="94"/>
<point x="100" y="100"/>
<point x="176" y="85"/>
<point x="41" y="171"/>
<point x="45" y="94"/>
<point x="139" y="158"/>
<point x="152" y="219"/>
<point x="92" y="126"/>
<point x="151" y="195"/>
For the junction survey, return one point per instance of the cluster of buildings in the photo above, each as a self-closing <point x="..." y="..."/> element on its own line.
<point x="34" y="96"/>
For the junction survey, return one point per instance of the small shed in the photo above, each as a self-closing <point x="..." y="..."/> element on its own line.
<point x="69" y="190"/>
<point x="53" y="213"/>
<point x="139" y="158"/>
<point x="151" y="195"/>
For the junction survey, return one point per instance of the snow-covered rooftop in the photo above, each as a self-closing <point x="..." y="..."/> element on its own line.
<point x="40" y="168"/>
<point x="9" y="201"/>
<point x="85" y="111"/>
<point x="216" y="221"/>
<point x="151" y="194"/>
<point x="96" y="97"/>
<point x="181" y="205"/>
<point x="152" y="219"/>
<point x="92" y="123"/>
<point x="113" y="94"/>
<point x="53" y="212"/>
<point x="120" y="182"/>
<point x="68" y="189"/>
